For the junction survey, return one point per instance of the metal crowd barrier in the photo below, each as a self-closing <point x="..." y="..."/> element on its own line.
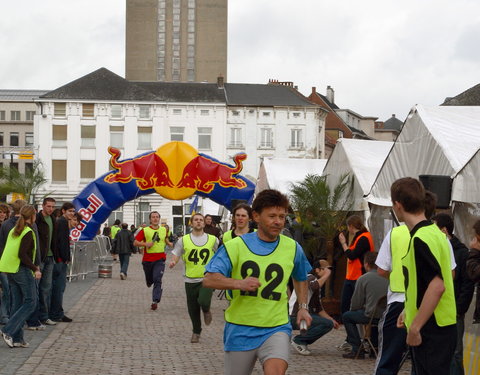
<point x="86" y="256"/>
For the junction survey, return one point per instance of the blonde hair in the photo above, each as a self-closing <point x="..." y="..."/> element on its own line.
<point x="26" y="213"/>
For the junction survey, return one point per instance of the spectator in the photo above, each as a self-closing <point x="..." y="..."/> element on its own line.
<point x="463" y="287"/>
<point x="211" y="227"/>
<point x="113" y="232"/>
<point x="123" y="246"/>
<point x="18" y="260"/>
<point x="361" y="243"/>
<point x="473" y="267"/>
<point x="369" y="288"/>
<point x="62" y="258"/>
<point x="322" y="323"/>
<point x="4" y="212"/>
<point x="430" y="312"/>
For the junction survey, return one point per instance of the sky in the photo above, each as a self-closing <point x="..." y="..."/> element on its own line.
<point x="380" y="56"/>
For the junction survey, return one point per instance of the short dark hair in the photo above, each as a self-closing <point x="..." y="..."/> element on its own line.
<point x="444" y="220"/>
<point x="153" y="212"/>
<point x="124" y="226"/>
<point x="79" y="216"/>
<point x="67" y="206"/>
<point x="5" y="208"/>
<point x="48" y="199"/>
<point x="369" y="258"/>
<point x="410" y="193"/>
<point x="117" y="222"/>
<point x="269" y="198"/>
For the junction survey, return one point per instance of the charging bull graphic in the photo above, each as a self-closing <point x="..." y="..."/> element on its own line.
<point x="175" y="171"/>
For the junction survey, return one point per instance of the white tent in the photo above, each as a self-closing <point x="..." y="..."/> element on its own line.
<point x="433" y="141"/>
<point x="280" y="173"/>
<point x="360" y="158"/>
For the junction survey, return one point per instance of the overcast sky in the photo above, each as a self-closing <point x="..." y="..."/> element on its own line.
<point x="380" y="56"/>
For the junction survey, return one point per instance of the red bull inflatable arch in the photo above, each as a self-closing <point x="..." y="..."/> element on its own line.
<point x="175" y="171"/>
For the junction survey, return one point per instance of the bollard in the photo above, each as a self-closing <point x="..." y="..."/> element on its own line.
<point x="104" y="271"/>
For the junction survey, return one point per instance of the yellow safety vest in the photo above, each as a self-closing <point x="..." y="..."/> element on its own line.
<point x="197" y="257"/>
<point x="10" y="261"/>
<point x="445" y="313"/>
<point x="399" y="241"/>
<point x="158" y="246"/>
<point x="113" y="232"/>
<point x="268" y="305"/>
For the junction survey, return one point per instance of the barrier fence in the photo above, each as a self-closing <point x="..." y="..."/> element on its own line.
<point x="87" y="256"/>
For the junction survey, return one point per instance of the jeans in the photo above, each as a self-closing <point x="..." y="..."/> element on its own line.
<point x="319" y="327"/>
<point x="124" y="260"/>
<point x="5" y="304"/>
<point x="198" y="298"/>
<point x="350" y="320"/>
<point x="33" y="319"/>
<point x="392" y="341"/>
<point x="347" y="293"/>
<point x="153" y="276"/>
<point x="23" y="290"/>
<point x="45" y="288"/>
<point x="59" y="282"/>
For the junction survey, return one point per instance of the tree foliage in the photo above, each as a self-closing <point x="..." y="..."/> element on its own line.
<point x="28" y="183"/>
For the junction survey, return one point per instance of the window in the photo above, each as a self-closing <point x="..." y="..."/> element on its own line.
<point x="177" y="210"/>
<point x="59" y="110"/>
<point x="266" y="114"/>
<point x="205" y="138"/>
<point x="116" y="136"/>
<point x="1" y="138"/>
<point x="59" y="135"/>
<point x="144" y="111"/>
<point x="28" y="167"/>
<point x="235" y="113"/>
<point x="14" y="139"/>
<point x="88" y="109"/>
<point x="177" y="111"/>
<point x="296" y="114"/>
<point x="29" y="115"/>
<point x="28" y="139"/>
<point x="176" y="133"/>
<point x="15" y="115"/>
<point x="144" y="138"/>
<point x="2" y="115"/>
<point x="235" y="137"/>
<point x="204" y="112"/>
<point x="59" y="171"/>
<point x="266" y="138"/>
<point x="88" y="136"/>
<point x="116" y="110"/>
<point x="296" y="139"/>
<point x="143" y="212"/>
<point x="87" y="169"/>
<point x="13" y="166"/>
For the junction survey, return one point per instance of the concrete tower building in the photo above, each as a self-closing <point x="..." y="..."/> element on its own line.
<point x="176" y="40"/>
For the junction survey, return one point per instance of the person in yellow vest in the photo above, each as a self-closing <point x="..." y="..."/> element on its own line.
<point x="242" y="214"/>
<point x="430" y="310"/>
<point x="196" y="249"/>
<point x="257" y="267"/>
<point x="113" y="233"/>
<point x="153" y="238"/>
<point x="18" y="261"/>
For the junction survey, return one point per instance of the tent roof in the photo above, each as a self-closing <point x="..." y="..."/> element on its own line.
<point x="362" y="159"/>
<point x="465" y="187"/>
<point x="435" y="141"/>
<point x="280" y="173"/>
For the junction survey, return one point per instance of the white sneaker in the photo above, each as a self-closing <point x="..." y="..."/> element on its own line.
<point x="122" y="276"/>
<point x="301" y="349"/>
<point x="8" y="340"/>
<point x="41" y="327"/>
<point x="344" y="347"/>
<point x="49" y="322"/>
<point x="22" y="344"/>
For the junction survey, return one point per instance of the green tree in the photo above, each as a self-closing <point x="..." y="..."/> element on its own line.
<point x="28" y="183"/>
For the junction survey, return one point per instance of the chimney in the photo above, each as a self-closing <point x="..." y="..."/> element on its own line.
<point x="314" y="90"/>
<point x="393" y="115"/>
<point x="330" y="95"/>
<point x="220" y="82"/>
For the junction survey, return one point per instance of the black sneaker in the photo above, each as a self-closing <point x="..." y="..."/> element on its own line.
<point x="66" y="319"/>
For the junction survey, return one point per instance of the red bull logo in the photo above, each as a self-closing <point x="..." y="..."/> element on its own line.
<point x="176" y="171"/>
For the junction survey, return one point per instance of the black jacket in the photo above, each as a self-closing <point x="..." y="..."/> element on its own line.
<point x="473" y="270"/>
<point x="62" y="241"/>
<point x="123" y="242"/>
<point x="5" y="229"/>
<point x="43" y="234"/>
<point x="462" y="284"/>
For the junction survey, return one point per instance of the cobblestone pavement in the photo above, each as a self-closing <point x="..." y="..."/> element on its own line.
<point x="115" y="332"/>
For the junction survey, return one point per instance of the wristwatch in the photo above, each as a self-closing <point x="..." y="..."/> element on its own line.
<point x="302" y="306"/>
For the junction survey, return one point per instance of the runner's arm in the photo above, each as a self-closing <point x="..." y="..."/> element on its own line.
<point x="216" y="280"/>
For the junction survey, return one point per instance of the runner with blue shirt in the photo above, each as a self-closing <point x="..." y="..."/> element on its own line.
<point x="256" y="267"/>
